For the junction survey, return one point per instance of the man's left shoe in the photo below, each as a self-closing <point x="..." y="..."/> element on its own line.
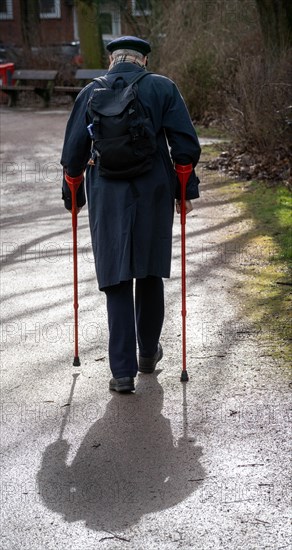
<point x="122" y="385"/>
<point x="147" y="364"/>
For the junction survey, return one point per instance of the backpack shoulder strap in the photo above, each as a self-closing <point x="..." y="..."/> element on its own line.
<point x="140" y="76"/>
<point x="106" y="84"/>
<point x="103" y="81"/>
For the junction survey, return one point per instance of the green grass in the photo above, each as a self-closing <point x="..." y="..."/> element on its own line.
<point x="212" y="151"/>
<point x="265" y="247"/>
<point x="271" y="208"/>
<point x="267" y="294"/>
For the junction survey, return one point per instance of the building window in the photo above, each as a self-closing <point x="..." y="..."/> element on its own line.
<point x="141" y="7"/>
<point x="6" y="10"/>
<point x="50" y="9"/>
<point x="106" y="22"/>
<point x="110" y="19"/>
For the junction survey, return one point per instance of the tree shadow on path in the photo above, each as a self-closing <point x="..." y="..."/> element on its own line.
<point x="128" y="464"/>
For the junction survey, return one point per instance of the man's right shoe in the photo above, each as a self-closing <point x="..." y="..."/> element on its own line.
<point x="122" y="385"/>
<point x="147" y="364"/>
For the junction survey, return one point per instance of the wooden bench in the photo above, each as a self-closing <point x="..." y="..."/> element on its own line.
<point x="38" y="81"/>
<point x="82" y="77"/>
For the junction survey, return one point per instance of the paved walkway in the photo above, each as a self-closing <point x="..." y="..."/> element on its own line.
<point x="203" y="465"/>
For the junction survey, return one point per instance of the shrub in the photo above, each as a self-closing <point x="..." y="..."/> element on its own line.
<point x="259" y="101"/>
<point x="198" y="46"/>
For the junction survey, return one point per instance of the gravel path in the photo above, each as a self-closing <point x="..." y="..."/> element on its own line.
<point x="203" y="465"/>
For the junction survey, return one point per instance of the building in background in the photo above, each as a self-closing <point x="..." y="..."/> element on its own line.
<point x="51" y="27"/>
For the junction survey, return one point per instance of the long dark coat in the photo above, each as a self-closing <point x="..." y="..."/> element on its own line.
<point x="131" y="225"/>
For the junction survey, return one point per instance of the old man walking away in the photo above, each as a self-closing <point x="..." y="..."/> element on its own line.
<point x="131" y="206"/>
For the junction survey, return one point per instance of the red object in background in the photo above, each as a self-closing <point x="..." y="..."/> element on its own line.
<point x="77" y="60"/>
<point x="6" y="73"/>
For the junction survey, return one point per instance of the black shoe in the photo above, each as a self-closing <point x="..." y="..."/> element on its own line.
<point x="147" y="364"/>
<point x="122" y="385"/>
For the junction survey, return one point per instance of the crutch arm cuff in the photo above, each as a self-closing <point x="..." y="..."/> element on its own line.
<point x="183" y="172"/>
<point x="73" y="181"/>
<point x="186" y="176"/>
<point x="68" y="189"/>
<point x="183" y="168"/>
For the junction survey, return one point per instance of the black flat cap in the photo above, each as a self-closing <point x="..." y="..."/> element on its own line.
<point x="129" y="43"/>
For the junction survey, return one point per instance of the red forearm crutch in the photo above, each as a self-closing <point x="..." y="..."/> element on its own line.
<point x="74" y="184"/>
<point x="183" y="173"/>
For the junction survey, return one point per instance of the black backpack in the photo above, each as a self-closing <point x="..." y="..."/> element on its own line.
<point x="121" y="131"/>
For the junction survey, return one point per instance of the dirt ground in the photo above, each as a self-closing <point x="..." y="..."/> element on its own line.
<point x="203" y="465"/>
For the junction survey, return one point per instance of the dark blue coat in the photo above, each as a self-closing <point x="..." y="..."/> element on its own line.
<point x="131" y="225"/>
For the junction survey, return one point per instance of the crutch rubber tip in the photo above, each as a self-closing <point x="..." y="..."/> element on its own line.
<point x="184" y="376"/>
<point x="76" y="362"/>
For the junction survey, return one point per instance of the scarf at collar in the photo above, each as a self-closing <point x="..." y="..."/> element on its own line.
<point x="127" y="59"/>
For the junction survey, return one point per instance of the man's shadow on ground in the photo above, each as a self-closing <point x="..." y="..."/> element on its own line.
<point x="127" y="465"/>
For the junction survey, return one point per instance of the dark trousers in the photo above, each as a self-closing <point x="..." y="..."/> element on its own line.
<point x="134" y="321"/>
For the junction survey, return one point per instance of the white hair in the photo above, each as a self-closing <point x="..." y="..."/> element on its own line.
<point x="134" y="53"/>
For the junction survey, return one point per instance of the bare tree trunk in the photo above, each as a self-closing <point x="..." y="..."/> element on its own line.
<point x="276" y="23"/>
<point x="90" y="36"/>
<point x="30" y="23"/>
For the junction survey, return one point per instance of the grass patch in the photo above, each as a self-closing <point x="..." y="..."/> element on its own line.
<point x="268" y="296"/>
<point x="211" y="151"/>
<point x="264" y="256"/>
<point x="271" y="208"/>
